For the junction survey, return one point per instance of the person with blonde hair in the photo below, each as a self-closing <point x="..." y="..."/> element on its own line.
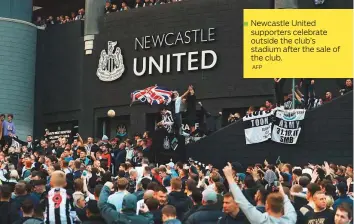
<point x="59" y="204"/>
<point x="329" y="202"/>
<point x="14" y="176"/>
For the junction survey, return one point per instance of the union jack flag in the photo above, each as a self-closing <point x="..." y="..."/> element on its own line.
<point x="152" y="95"/>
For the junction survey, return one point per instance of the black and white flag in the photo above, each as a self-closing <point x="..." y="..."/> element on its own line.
<point x="287" y="125"/>
<point x="257" y="126"/>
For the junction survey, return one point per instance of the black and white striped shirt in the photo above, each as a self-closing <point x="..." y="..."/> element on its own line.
<point x="59" y="207"/>
<point x="167" y="121"/>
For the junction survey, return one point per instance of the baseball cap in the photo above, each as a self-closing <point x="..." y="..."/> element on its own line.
<point x="210" y="196"/>
<point x="170" y="164"/>
<point x="237" y="167"/>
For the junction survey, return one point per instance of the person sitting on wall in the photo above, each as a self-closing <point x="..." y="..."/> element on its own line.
<point x="328" y="97"/>
<point x="108" y="8"/>
<point x="269" y="105"/>
<point x="124" y="7"/>
<point x="348" y="86"/>
<point x="250" y="110"/>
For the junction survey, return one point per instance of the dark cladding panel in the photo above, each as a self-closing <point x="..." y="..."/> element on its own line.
<point x="326" y="135"/>
<point x="66" y="79"/>
<point x="59" y="67"/>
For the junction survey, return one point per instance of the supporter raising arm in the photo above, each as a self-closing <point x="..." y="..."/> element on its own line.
<point x="276" y="203"/>
<point x="128" y="212"/>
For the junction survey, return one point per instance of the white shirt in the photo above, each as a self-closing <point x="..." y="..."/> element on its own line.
<point x="140" y="171"/>
<point x="138" y="206"/>
<point x="178" y="105"/>
<point x="211" y="187"/>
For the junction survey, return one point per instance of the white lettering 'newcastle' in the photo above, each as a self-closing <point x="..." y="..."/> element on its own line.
<point x="287" y="125"/>
<point x="257" y="126"/>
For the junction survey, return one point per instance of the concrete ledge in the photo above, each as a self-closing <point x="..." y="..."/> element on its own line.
<point x="18" y="21"/>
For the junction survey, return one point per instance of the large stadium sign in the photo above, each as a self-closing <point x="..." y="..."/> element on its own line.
<point x="111" y="65"/>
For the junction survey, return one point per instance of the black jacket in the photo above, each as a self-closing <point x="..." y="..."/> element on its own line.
<point x="94" y="220"/>
<point x="190" y="212"/>
<point x="239" y="219"/>
<point x="30" y="146"/>
<point x="180" y="201"/>
<point x="206" y="214"/>
<point x="120" y="157"/>
<point x="5" y="213"/>
<point x="341" y="85"/>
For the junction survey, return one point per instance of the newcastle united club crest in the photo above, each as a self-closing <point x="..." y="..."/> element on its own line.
<point x="110" y="66"/>
<point x="166" y="143"/>
<point x="121" y="131"/>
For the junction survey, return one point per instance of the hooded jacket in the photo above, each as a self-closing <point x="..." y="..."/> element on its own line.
<point x="181" y="202"/>
<point x="206" y="214"/>
<point x="128" y="212"/>
<point x="172" y="221"/>
<point x="29" y="220"/>
<point x="190" y="212"/>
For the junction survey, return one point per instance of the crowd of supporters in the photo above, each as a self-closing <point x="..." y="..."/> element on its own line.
<point x="110" y="7"/>
<point x="306" y="87"/>
<point x="112" y="181"/>
<point x="118" y="181"/>
<point x="41" y="21"/>
<point x="118" y="6"/>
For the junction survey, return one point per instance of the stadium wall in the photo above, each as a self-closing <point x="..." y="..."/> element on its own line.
<point x="17" y="72"/>
<point x="69" y="88"/>
<point x="60" y="52"/>
<point x="326" y="135"/>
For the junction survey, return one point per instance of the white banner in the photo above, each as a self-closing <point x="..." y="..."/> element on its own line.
<point x="287" y="125"/>
<point x="258" y="126"/>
